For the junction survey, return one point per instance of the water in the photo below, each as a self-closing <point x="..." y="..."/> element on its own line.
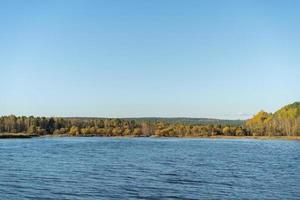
<point x="148" y="168"/>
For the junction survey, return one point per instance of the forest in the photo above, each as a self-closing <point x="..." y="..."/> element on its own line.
<point x="284" y="122"/>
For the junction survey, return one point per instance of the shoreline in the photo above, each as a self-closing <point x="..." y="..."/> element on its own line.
<point x="28" y="136"/>
<point x="252" y="137"/>
<point x="16" y="136"/>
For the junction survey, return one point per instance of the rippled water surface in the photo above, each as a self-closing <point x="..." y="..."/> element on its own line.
<point x="148" y="168"/>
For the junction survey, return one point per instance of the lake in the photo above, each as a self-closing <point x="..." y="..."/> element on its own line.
<point x="149" y="168"/>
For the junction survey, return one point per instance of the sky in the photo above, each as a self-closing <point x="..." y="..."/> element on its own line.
<point x="137" y="58"/>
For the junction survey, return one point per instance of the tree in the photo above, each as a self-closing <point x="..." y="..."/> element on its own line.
<point x="74" y="130"/>
<point x="226" y="130"/>
<point x="147" y="129"/>
<point x="32" y="129"/>
<point x="137" y="132"/>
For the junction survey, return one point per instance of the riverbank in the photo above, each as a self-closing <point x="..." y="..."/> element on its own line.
<point x="199" y="137"/>
<point x="255" y="137"/>
<point x="16" y="135"/>
<point x="26" y="136"/>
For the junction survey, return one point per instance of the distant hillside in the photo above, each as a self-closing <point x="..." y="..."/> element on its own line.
<point x="177" y="120"/>
<point x="291" y="111"/>
<point x="191" y="121"/>
<point x="285" y="121"/>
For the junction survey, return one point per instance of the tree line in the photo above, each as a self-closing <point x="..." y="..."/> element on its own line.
<point x="284" y="122"/>
<point x="120" y="127"/>
<point x="265" y="124"/>
<point x="113" y="127"/>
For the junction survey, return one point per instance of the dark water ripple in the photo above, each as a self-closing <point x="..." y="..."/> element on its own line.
<point x="145" y="168"/>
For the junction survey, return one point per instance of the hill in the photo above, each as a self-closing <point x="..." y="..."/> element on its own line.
<point x="290" y="111"/>
<point x="174" y="120"/>
<point x="284" y="122"/>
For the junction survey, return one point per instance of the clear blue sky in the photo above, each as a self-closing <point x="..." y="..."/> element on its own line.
<point x="222" y="59"/>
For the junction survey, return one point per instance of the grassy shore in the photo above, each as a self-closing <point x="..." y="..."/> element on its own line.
<point x="24" y="135"/>
<point x="255" y="137"/>
<point x="15" y="135"/>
